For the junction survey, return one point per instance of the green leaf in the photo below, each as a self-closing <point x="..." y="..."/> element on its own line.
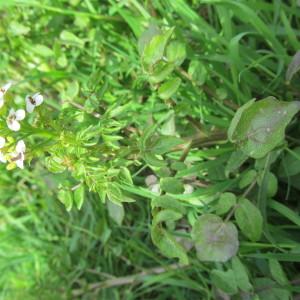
<point x="176" y="53"/>
<point x="171" y="185"/>
<point x="272" y="183"/>
<point x="198" y="72"/>
<point x="164" y="240"/>
<point x="225" y="203"/>
<point x="72" y="90"/>
<point x="277" y="272"/>
<point x="166" y="215"/>
<point x="79" y="196"/>
<point x="66" y="198"/>
<point x="224" y="281"/>
<point x="291" y="215"/>
<point x="154" y="50"/>
<point x="249" y="219"/>
<point x="214" y="239"/>
<point x="162" y="144"/>
<point x="42" y="50"/>
<point x="168" y="202"/>
<point x="114" y="194"/>
<point x="272" y="292"/>
<point x="125" y="176"/>
<point x="290" y="163"/>
<point x="237" y="158"/>
<point x="168" y="245"/>
<point x="16" y="29"/>
<point x="161" y="72"/>
<point x="115" y="211"/>
<point x="147" y="36"/>
<point x="236" y="119"/>
<point x="293" y="67"/>
<point x="241" y="275"/>
<point x="62" y="60"/>
<point x="55" y="164"/>
<point x="152" y="160"/>
<point x="258" y="127"/>
<point x="169" y="88"/>
<point x="247" y="178"/>
<point x="70" y="38"/>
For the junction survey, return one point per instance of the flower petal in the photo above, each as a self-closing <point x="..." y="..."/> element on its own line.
<point x="13" y="125"/>
<point x="5" y="87"/>
<point x="1" y="100"/>
<point x="20" y="114"/>
<point x="20" y="163"/>
<point x="2" y="158"/>
<point x="11" y="112"/>
<point x="29" y="106"/>
<point x="20" y="147"/>
<point x="38" y="98"/>
<point x="2" y="142"/>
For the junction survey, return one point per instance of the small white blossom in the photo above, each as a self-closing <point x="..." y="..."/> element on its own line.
<point x="2" y="142"/>
<point x="2" y="158"/>
<point x="13" y="119"/>
<point x="18" y="156"/>
<point x="33" y="101"/>
<point x="3" y="90"/>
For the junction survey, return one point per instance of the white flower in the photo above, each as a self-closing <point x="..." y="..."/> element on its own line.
<point x="13" y="119"/>
<point x="3" y="90"/>
<point x="18" y="156"/>
<point x="2" y="142"/>
<point x="33" y="101"/>
<point x="2" y="158"/>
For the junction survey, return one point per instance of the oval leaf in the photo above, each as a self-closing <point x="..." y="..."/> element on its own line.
<point x="169" y="88"/>
<point x="258" y="127"/>
<point x="224" y="281"/>
<point x="249" y="219"/>
<point x="214" y="239"/>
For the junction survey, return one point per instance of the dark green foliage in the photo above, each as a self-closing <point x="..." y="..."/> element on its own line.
<point x="164" y="161"/>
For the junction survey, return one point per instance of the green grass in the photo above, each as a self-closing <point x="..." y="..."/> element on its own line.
<point x="83" y="57"/>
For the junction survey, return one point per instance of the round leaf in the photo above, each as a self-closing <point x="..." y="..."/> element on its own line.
<point x="214" y="239"/>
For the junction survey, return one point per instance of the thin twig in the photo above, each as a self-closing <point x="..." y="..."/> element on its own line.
<point x="186" y="152"/>
<point x="131" y="279"/>
<point x="245" y="194"/>
<point x="79" y="106"/>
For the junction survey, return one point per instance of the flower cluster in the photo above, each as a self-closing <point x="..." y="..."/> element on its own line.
<point x="16" y="155"/>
